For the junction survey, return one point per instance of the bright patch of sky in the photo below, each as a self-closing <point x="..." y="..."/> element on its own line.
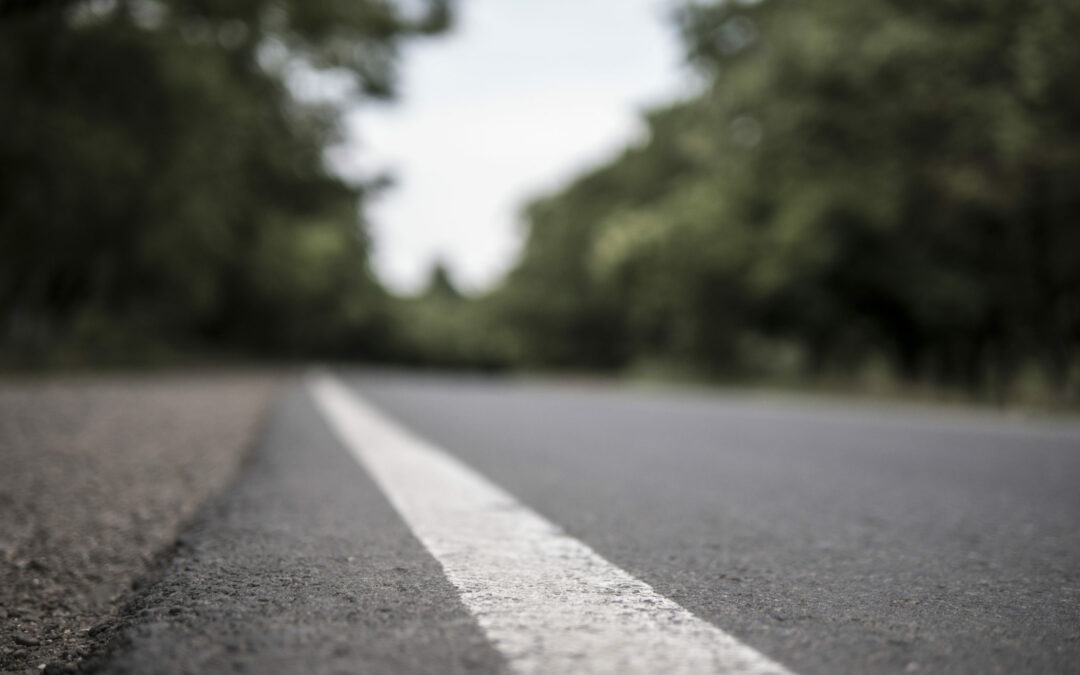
<point x="520" y="97"/>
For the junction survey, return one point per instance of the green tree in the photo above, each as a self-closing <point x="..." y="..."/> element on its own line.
<point x="855" y="181"/>
<point x="164" y="185"/>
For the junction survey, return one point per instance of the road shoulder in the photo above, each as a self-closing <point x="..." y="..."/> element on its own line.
<point x="302" y="566"/>
<point x="99" y="475"/>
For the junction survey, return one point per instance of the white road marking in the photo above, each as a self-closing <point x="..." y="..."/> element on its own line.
<point x="546" y="601"/>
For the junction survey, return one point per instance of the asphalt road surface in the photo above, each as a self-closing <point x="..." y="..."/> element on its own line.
<point x="822" y="537"/>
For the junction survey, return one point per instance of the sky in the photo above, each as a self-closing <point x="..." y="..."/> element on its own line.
<point x="519" y="98"/>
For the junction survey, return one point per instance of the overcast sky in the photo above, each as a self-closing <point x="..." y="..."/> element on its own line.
<point x="521" y="96"/>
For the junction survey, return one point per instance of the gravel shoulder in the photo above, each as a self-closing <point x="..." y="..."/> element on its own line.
<point x="99" y="475"/>
<point x="301" y="566"/>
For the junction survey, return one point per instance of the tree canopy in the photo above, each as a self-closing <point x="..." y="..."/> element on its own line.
<point x="856" y="183"/>
<point x="882" y="186"/>
<point x="160" y="183"/>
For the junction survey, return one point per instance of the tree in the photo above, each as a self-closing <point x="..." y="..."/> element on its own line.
<point x="856" y="181"/>
<point x="440" y="285"/>
<point x="166" y="187"/>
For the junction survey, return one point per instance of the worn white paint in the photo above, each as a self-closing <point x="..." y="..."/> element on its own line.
<point x="546" y="601"/>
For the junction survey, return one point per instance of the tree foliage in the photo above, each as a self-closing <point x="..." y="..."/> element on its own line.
<point x="857" y="187"/>
<point x="161" y="184"/>
<point x="855" y="183"/>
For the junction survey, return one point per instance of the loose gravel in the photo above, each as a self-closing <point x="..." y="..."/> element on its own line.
<point x="97" y="477"/>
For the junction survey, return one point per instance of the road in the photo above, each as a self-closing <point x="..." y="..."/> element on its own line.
<point x="824" y="537"/>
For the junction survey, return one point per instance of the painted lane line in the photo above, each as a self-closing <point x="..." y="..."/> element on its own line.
<point x="545" y="600"/>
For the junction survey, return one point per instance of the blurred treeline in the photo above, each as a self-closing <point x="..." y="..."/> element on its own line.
<point x="162" y="190"/>
<point x="871" y="190"/>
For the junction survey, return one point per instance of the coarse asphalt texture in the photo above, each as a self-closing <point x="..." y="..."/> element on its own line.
<point x="302" y="567"/>
<point x="98" y="475"/>
<point x="833" y="539"/>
